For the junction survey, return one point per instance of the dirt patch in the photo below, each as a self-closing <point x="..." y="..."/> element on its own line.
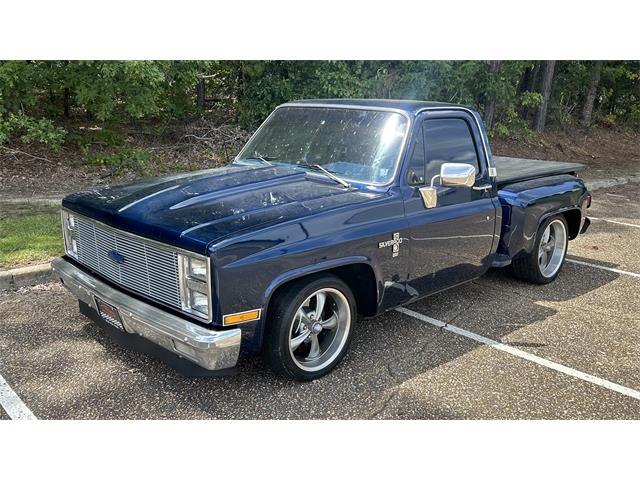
<point x="32" y="171"/>
<point x="607" y="152"/>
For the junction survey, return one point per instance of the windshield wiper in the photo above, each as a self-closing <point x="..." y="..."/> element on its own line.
<point x="342" y="182"/>
<point x="262" y="158"/>
<point x="325" y="171"/>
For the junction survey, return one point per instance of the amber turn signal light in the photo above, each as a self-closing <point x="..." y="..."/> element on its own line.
<point x="241" y="317"/>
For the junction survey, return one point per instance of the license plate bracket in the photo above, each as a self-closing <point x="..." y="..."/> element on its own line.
<point x="109" y="313"/>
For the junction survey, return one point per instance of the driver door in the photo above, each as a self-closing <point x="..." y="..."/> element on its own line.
<point x="452" y="242"/>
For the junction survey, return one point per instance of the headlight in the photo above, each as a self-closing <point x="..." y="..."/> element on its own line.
<point x="195" y="285"/>
<point x="69" y="234"/>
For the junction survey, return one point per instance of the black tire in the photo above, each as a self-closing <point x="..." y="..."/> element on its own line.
<point x="280" y="326"/>
<point x="528" y="268"/>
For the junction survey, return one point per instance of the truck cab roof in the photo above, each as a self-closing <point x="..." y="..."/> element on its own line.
<point x="410" y="107"/>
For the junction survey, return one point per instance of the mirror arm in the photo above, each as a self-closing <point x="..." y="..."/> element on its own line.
<point x="433" y="179"/>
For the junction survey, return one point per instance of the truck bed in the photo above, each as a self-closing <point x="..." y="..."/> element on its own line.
<point x="513" y="170"/>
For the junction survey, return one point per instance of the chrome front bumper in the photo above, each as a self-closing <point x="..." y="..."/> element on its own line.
<point x="210" y="349"/>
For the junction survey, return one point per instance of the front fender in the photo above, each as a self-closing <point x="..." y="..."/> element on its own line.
<point x="317" y="268"/>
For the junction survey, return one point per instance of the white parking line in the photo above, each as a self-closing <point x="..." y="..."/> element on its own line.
<point x="616" y="270"/>
<point x="524" y="355"/>
<point x="615" y="221"/>
<point x="11" y="403"/>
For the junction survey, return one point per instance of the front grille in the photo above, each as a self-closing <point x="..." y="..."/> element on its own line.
<point x="145" y="269"/>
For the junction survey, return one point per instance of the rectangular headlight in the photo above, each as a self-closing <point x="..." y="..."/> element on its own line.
<point x="195" y="285"/>
<point x="69" y="234"/>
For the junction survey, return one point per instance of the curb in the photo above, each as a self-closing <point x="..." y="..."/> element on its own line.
<point x="22" y="277"/>
<point x="48" y="201"/>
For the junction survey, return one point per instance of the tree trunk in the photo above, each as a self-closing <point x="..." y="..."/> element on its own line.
<point x="490" y="110"/>
<point x="528" y="84"/>
<point x="535" y="77"/>
<point x="67" y="101"/>
<point x="591" y="94"/>
<point x="200" y="91"/>
<point x="547" y="81"/>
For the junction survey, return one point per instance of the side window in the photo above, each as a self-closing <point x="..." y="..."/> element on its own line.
<point x="417" y="163"/>
<point x="448" y="140"/>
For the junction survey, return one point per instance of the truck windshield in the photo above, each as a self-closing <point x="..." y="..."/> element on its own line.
<point x="355" y="145"/>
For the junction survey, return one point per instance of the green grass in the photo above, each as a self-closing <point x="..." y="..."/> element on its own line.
<point x="29" y="238"/>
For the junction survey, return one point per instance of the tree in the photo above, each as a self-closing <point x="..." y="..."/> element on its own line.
<point x="547" y="81"/>
<point x="38" y="97"/>
<point x="490" y="110"/>
<point x="591" y="94"/>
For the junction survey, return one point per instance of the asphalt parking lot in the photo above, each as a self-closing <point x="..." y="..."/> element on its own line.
<point x="567" y="350"/>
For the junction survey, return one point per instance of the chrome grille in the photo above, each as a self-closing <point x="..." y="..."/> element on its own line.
<point x="147" y="269"/>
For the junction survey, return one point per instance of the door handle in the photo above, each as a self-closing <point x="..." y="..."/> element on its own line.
<point x="483" y="187"/>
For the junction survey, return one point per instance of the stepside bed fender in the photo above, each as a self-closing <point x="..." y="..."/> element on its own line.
<point x="527" y="204"/>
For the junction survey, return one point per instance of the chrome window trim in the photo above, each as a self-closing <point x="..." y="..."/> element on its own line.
<point x="490" y="167"/>
<point x="167" y="248"/>
<point x="349" y="107"/>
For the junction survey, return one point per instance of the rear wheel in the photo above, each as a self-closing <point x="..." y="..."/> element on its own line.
<point x="544" y="262"/>
<point x="310" y="327"/>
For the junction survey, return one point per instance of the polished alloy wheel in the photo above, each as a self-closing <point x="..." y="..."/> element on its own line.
<point x="552" y="248"/>
<point x="320" y="329"/>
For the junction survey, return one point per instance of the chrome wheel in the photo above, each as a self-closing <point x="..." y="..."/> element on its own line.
<point x="319" y="329"/>
<point x="552" y="248"/>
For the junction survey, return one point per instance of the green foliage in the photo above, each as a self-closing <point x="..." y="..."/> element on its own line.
<point x="136" y="159"/>
<point x="108" y="138"/>
<point x="266" y="84"/>
<point x="101" y="89"/>
<point x="31" y="130"/>
<point x="530" y="99"/>
<point x="36" y="97"/>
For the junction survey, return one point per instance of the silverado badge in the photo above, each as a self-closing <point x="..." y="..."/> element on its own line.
<point x="395" y="243"/>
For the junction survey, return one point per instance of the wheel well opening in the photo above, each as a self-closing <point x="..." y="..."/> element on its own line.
<point x="360" y="279"/>
<point x="573" y="218"/>
<point x="362" y="282"/>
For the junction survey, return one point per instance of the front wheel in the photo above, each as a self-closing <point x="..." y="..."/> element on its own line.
<point x="543" y="264"/>
<point x="310" y="326"/>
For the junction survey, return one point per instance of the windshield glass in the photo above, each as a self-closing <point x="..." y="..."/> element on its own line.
<point x="358" y="145"/>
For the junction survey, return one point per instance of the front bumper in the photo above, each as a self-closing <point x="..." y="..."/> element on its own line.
<point x="210" y="349"/>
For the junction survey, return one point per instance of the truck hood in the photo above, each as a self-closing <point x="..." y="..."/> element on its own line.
<point x="193" y="210"/>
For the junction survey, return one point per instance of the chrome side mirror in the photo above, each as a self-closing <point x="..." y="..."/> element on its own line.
<point x="451" y="175"/>
<point x="457" y="175"/>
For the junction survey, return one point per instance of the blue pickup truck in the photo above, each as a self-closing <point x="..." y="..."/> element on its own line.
<point x="334" y="210"/>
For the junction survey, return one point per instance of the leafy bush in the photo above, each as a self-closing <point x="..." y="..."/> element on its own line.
<point x="31" y="130"/>
<point x="136" y="159"/>
<point x="87" y="137"/>
<point x="530" y="99"/>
